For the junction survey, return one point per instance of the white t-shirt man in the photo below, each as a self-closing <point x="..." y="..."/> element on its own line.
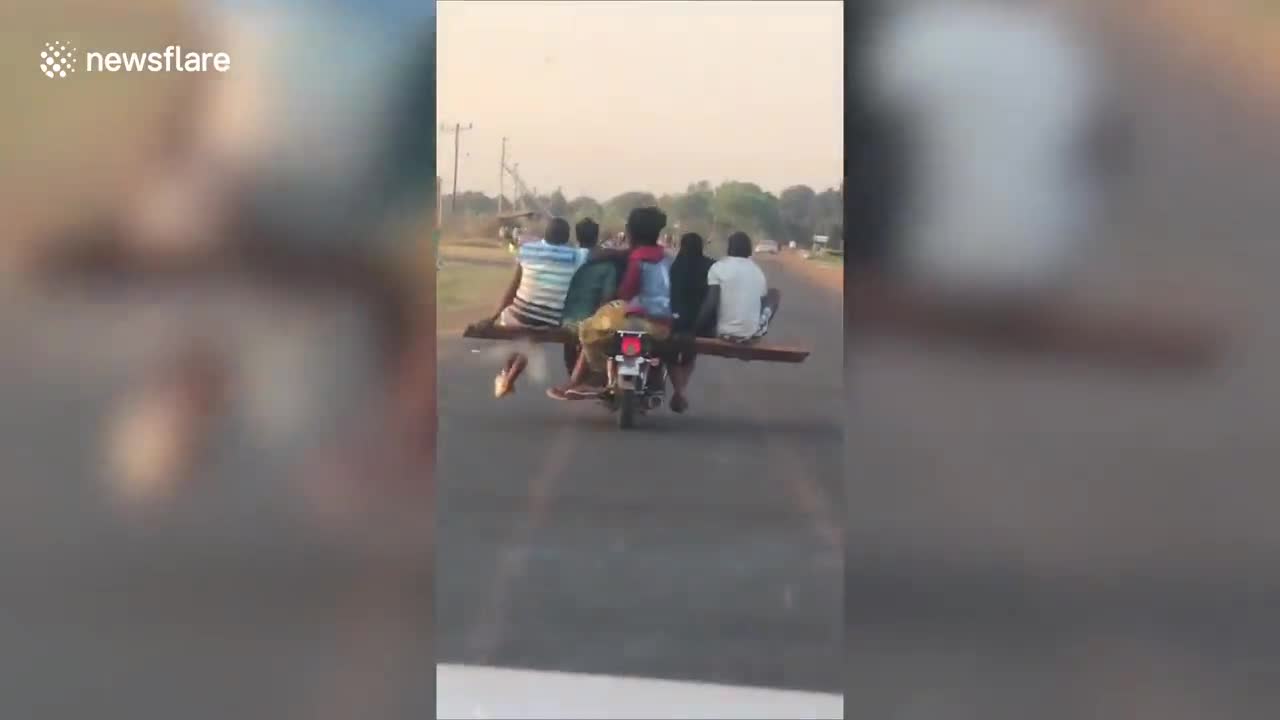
<point x="742" y="289"/>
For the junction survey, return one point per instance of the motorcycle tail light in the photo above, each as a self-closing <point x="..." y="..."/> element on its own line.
<point x="631" y="346"/>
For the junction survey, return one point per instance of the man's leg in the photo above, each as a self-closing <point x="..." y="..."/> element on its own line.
<point x="572" y="352"/>
<point x="772" y="300"/>
<point x="585" y="381"/>
<point x="769" y="310"/>
<point x="594" y="333"/>
<point x="504" y="383"/>
<point x="681" y="372"/>
<point x="577" y="377"/>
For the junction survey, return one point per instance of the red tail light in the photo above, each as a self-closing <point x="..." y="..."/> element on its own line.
<point x="631" y="346"/>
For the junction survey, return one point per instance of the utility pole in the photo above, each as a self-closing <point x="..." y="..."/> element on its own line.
<point x="515" y="187"/>
<point x="502" y="175"/>
<point x="457" y="131"/>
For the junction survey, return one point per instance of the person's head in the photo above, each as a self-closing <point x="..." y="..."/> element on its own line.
<point x="557" y="231"/>
<point x="691" y="244"/>
<point x="644" y="225"/>
<point x="739" y="245"/>
<point x="588" y="233"/>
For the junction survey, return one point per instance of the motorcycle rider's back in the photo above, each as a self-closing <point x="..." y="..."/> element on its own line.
<point x="644" y="303"/>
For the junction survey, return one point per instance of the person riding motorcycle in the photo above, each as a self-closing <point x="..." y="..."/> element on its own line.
<point x="644" y="303"/>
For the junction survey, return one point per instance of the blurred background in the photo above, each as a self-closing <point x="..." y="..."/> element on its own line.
<point x="217" y="364"/>
<point x="1037" y="526"/>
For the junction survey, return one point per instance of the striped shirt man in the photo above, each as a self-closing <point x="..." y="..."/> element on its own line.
<point x="546" y="270"/>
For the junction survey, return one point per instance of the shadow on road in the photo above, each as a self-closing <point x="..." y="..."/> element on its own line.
<point x="590" y="418"/>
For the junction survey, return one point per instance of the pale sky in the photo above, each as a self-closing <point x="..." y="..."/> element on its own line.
<point x="604" y="96"/>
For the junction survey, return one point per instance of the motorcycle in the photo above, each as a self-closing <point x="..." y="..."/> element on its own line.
<point x="636" y="377"/>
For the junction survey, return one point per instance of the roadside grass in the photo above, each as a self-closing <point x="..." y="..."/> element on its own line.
<point x="835" y="261"/>
<point x="466" y="252"/>
<point x="468" y="283"/>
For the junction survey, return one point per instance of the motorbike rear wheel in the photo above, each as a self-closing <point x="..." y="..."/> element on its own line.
<point x="626" y="409"/>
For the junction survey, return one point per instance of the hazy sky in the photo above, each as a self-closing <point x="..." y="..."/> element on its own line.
<point x="601" y="97"/>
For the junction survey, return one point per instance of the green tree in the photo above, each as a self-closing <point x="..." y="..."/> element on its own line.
<point x="798" y="210"/>
<point x="618" y="207"/>
<point x="830" y="215"/>
<point x="527" y="201"/>
<point x="476" y="203"/>
<point x="583" y="207"/>
<point x="557" y="205"/>
<point x="667" y="203"/>
<point x="691" y="210"/>
<point x="745" y="206"/>
<point x="830" y="208"/>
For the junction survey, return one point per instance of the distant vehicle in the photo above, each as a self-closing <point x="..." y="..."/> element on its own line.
<point x="766" y="247"/>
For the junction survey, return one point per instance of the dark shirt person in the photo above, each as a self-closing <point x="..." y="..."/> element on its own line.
<point x="688" y="293"/>
<point x="689" y="284"/>
<point x="593" y="285"/>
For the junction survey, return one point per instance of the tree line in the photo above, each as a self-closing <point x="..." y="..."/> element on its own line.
<point x="796" y="214"/>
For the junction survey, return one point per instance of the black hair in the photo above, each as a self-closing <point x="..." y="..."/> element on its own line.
<point x="558" y="231"/>
<point x="645" y="224"/>
<point x="587" y="232"/>
<point x="739" y="245"/>
<point x="691" y="244"/>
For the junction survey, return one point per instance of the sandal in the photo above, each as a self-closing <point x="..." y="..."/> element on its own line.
<point x="502" y="386"/>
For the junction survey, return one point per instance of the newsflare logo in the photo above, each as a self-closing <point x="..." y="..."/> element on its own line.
<point x="59" y="58"/>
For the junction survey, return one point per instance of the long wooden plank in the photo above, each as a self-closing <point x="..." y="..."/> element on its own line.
<point x="704" y="346"/>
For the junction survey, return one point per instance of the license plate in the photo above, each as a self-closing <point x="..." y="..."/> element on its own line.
<point x="630" y="366"/>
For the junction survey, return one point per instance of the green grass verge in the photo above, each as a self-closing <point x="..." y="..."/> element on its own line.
<point x="465" y="291"/>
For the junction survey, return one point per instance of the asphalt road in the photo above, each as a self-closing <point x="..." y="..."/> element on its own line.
<point x="1028" y="540"/>
<point x="697" y="547"/>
